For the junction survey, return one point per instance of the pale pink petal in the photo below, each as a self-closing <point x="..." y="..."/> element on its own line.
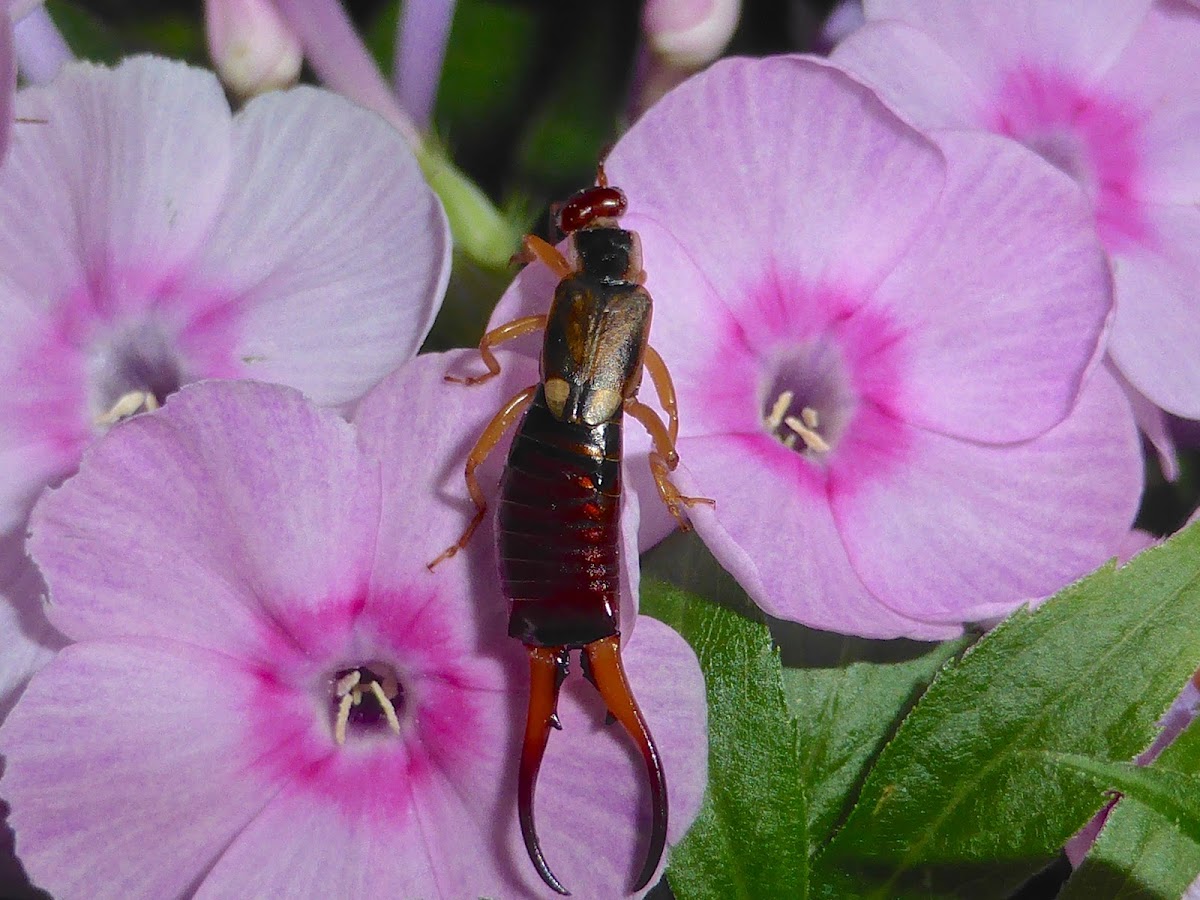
<point x="599" y="847"/>
<point x="1157" y="314"/>
<point x="913" y="73"/>
<point x="27" y="639"/>
<point x="237" y="500"/>
<point x="962" y="532"/>
<point x="1154" y="424"/>
<point x="72" y="216"/>
<point x="339" y="261"/>
<point x="1157" y="73"/>
<point x="422" y="428"/>
<point x="792" y="562"/>
<point x="125" y="768"/>
<point x="679" y="168"/>
<point x="1083" y="38"/>
<point x="8" y="81"/>
<point x="996" y="350"/>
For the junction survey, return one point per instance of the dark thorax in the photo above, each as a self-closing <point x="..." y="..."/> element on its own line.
<point x="597" y="328"/>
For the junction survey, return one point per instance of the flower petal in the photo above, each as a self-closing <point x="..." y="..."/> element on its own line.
<point x="105" y="765"/>
<point x="796" y="121"/>
<point x="996" y="349"/>
<point x="593" y="770"/>
<point x="912" y="73"/>
<point x="1082" y="38"/>
<point x="339" y="260"/>
<point x="773" y="530"/>
<point x="125" y="174"/>
<point x="1157" y="315"/>
<point x="987" y="528"/>
<point x="28" y="638"/>
<point x="240" y="500"/>
<point x="1157" y="72"/>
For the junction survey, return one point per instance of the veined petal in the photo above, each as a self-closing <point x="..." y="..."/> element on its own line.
<point x="678" y="166"/>
<point x="28" y="639"/>
<point x="70" y="212"/>
<point x="773" y="529"/>
<point x="1157" y="314"/>
<point x="339" y="261"/>
<point x="1083" y="38"/>
<point x="913" y="73"/>
<point x="104" y="758"/>
<point x="1157" y="73"/>
<point x="238" y="500"/>
<point x="997" y="350"/>
<point x="966" y="531"/>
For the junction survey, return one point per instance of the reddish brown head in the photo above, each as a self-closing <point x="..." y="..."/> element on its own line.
<point x="591" y="205"/>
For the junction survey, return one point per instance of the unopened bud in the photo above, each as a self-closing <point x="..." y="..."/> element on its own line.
<point x="689" y="34"/>
<point x="253" y="49"/>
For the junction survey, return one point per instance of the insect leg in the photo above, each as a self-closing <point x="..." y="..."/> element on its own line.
<point x="601" y="663"/>
<point x="547" y="669"/>
<point x="483" y="447"/>
<point x="663" y="459"/>
<point x="499" y="335"/>
<point x="533" y="247"/>
<point x="665" y="388"/>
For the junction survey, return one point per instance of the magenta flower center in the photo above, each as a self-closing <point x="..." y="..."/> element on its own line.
<point x="809" y="401"/>
<point x="131" y="369"/>
<point x="1087" y="134"/>
<point x="366" y="699"/>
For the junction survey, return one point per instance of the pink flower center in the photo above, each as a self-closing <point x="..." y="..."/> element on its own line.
<point x="358" y="703"/>
<point x="1090" y="136"/>
<point x="809" y="380"/>
<point x="366" y="699"/>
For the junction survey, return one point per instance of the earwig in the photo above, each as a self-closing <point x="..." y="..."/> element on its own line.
<point x="558" y="530"/>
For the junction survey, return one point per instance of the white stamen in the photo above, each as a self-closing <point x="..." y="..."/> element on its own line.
<point x="347" y="682"/>
<point x="343" y="716"/>
<point x="789" y="441"/>
<point x="782" y="402"/>
<point x="808" y="415"/>
<point x="386" y="703"/>
<point x="127" y="404"/>
<point x="811" y="439"/>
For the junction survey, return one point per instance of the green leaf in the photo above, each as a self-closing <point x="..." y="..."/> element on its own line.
<point x="845" y="715"/>
<point x="956" y="805"/>
<point x="750" y="837"/>
<point x="1173" y="795"/>
<point x="1139" y="854"/>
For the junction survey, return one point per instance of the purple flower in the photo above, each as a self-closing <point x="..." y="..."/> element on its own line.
<point x="149" y="238"/>
<point x="271" y="690"/>
<point x="1106" y="93"/>
<point x="879" y="342"/>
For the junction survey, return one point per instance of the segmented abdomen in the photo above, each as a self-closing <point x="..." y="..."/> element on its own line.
<point x="558" y="530"/>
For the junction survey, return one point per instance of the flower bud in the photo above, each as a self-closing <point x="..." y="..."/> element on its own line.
<point x="253" y="49"/>
<point x="689" y="34"/>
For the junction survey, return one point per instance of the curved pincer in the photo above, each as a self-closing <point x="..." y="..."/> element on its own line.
<point x="602" y="665"/>
<point x="547" y="668"/>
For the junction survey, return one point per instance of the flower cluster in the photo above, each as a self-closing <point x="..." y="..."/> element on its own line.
<point x="884" y="344"/>
<point x="916" y="300"/>
<point x="1106" y="94"/>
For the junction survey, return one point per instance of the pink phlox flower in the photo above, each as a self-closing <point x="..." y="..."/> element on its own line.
<point x="1104" y="92"/>
<point x="149" y="238"/>
<point x="231" y="570"/>
<point x="879" y="342"/>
